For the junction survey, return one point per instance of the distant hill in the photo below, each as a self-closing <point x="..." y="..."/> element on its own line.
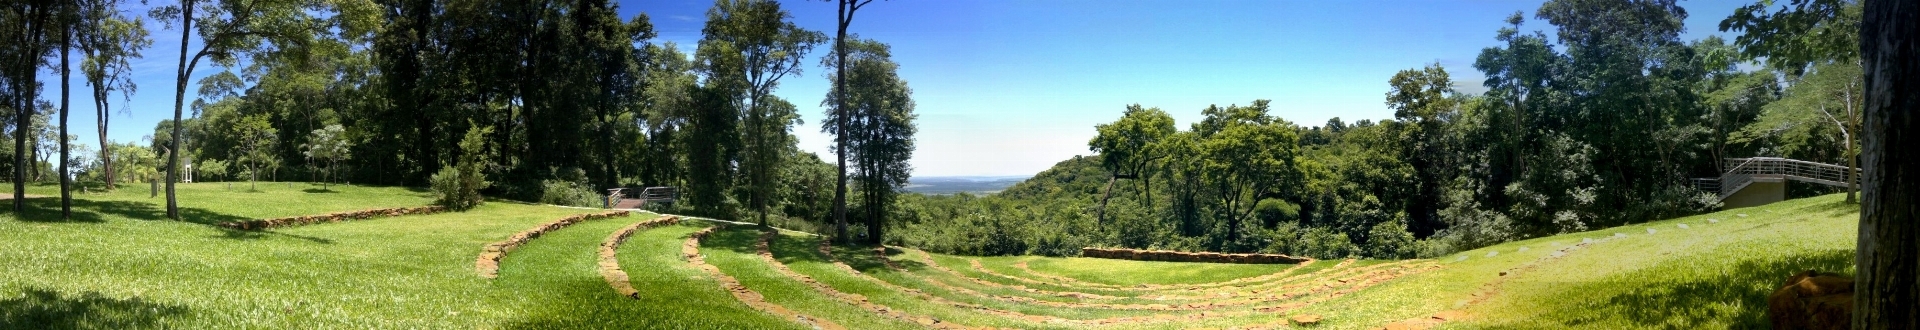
<point x="980" y="185"/>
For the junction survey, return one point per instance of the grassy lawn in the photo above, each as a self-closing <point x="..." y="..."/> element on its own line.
<point x="120" y="264"/>
<point x="1709" y="275"/>
<point x="1129" y="272"/>
<point x="732" y="250"/>
<point x="213" y="202"/>
<point x="676" y="294"/>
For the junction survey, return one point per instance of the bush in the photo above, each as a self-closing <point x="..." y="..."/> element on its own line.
<point x="1390" y="240"/>
<point x="458" y="187"/>
<point x="569" y="193"/>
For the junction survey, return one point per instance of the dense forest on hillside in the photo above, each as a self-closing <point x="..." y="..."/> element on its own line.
<point x="1598" y="119"/>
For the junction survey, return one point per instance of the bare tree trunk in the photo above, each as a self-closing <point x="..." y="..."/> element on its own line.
<point x="23" y="115"/>
<point x="66" y="89"/>
<point x="179" y="97"/>
<point x="1887" y="289"/>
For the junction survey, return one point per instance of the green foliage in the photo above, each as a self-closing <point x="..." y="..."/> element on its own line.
<point x="458" y="186"/>
<point x="210" y="170"/>
<point x="255" y="136"/>
<point x="331" y="145"/>
<point x="569" y="193"/>
<point x="877" y="128"/>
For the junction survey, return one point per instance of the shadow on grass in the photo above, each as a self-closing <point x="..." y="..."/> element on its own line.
<point x="1831" y="209"/>
<point x="92" y="211"/>
<point x="319" y="191"/>
<point x="861" y="257"/>
<point x="40" y="308"/>
<point x="1685" y="304"/>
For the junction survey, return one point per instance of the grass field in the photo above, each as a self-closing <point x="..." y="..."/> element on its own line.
<point x="121" y="264"/>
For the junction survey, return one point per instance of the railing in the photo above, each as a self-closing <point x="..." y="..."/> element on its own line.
<point x="1741" y="173"/>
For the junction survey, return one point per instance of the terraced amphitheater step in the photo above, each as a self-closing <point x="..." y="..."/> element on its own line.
<point x="1301" y="294"/>
<point x="733" y="252"/>
<point x="488" y="263"/>
<point x="563" y="265"/>
<point x="1172" y="297"/>
<point x="610" y="258"/>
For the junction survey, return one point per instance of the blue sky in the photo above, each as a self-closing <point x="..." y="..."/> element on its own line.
<point x="1006" y="87"/>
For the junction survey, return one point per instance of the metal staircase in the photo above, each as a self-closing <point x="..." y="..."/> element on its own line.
<point x="1743" y="172"/>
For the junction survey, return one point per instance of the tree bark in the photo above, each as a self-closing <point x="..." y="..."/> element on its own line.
<point x="23" y="115"/>
<point x="179" y="97"/>
<point x="66" y="89"/>
<point x="845" y="17"/>
<point x="1887" y="288"/>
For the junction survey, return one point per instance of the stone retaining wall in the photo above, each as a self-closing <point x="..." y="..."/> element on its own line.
<point x="263" y="224"/>
<point x="1177" y="256"/>
<point x="488" y="264"/>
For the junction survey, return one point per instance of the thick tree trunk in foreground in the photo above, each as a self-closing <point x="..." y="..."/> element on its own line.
<point x="1887" y="288"/>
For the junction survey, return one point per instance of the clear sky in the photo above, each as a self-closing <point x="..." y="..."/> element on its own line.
<point x="1010" y="87"/>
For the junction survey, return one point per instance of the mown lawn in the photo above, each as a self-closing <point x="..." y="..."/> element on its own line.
<point x="1129" y="272"/>
<point x="119" y="263"/>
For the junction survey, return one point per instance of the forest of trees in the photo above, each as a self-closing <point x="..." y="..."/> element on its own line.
<point x="1599" y="118"/>
<point x="562" y="98"/>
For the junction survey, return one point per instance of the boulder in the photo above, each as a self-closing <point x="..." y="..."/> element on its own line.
<point x="1812" y="300"/>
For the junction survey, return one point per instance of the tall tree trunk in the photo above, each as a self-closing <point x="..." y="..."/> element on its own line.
<point x="26" y="79"/>
<point x="101" y="110"/>
<point x="66" y="96"/>
<point x="1887" y="291"/>
<point x="845" y="17"/>
<point x="179" y="98"/>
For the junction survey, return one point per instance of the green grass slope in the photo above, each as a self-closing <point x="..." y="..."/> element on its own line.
<point x="121" y="264"/>
<point x="1714" y="273"/>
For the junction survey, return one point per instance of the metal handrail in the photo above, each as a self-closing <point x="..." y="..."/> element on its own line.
<point x="1742" y="174"/>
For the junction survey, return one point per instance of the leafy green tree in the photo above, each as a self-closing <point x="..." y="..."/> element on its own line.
<point x="1799" y="34"/>
<point x="1806" y="38"/>
<point x="1830" y="97"/>
<point x="256" y="136"/>
<point x="1249" y="156"/>
<point x="879" y="128"/>
<point x="112" y="41"/>
<point x="228" y="29"/>
<point x="1420" y="98"/>
<point x="28" y="29"/>
<point x="749" y="46"/>
<point x="211" y="169"/>
<point x="1127" y="148"/>
<point x="458" y="186"/>
<point x="330" y="145"/>
<point x="843" y="19"/>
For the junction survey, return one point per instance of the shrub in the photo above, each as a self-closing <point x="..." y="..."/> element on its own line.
<point x="458" y="187"/>
<point x="569" y="193"/>
<point x="1390" y="240"/>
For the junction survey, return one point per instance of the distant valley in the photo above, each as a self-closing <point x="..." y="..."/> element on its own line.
<point x="979" y="185"/>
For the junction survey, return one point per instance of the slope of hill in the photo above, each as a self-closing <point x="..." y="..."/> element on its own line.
<point x="120" y="265"/>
